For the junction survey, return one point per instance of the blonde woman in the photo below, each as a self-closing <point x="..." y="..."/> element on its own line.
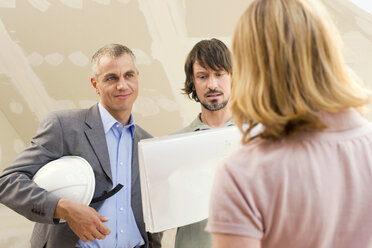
<point x="306" y="179"/>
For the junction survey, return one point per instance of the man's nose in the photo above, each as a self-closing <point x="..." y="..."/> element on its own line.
<point x="213" y="82"/>
<point x="122" y="84"/>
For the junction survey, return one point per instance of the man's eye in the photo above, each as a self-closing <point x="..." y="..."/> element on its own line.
<point x="130" y="75"/>
<point x="111" y="79"/>
<point x="203" y="77"/>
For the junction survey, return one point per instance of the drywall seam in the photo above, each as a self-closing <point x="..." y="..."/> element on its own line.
<point x="166" y="21"/>
<point x="166" y="31"/>
<point x="15" y="64"/>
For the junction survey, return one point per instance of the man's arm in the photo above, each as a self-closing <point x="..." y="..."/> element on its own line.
<point x="220" y="240"/>
<point x="17" y="190"/>
<point x="20" y="193"/>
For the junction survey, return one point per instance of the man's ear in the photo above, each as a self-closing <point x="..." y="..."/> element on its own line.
<point x="94" y="84"/>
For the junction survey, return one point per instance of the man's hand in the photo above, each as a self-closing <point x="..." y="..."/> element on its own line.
<point x="83" y="220"/>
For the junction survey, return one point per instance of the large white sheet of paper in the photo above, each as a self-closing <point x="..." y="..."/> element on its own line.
<point x="177" y="174"/>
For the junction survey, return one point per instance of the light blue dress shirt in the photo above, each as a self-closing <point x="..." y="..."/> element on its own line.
<point x="124" y="230"/>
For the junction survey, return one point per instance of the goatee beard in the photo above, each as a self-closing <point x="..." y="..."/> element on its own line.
<point x="214" y="106"/>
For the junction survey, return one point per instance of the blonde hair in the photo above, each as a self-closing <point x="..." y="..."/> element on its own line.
<point x="287" y="66"/>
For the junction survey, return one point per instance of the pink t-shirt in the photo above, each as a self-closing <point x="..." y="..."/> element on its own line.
<point x="311" y="190"/>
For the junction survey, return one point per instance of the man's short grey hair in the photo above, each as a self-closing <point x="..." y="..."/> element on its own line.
<point x="111" y="50"/>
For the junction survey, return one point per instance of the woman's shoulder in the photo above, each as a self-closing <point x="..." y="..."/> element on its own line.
<point x="262" y="158"/>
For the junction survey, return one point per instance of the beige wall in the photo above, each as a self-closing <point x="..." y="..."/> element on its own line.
<point x="45" y="47"/>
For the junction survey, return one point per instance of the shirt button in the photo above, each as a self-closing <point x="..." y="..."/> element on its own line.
<point x="121" y="230"/>
<point x="117" y="125"/>
<point x="121" y="209"/>
<point x="121" y="163"/>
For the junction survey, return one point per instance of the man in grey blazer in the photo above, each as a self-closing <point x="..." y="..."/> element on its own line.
<point x="106" y="136"/>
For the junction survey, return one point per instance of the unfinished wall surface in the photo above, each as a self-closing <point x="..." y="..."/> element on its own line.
<point x="45" y="49"/>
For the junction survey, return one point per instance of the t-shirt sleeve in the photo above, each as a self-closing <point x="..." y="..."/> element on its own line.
<point x="233" y="209"/>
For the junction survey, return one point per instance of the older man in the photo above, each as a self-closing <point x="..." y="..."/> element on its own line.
<point x="106" y="136"/>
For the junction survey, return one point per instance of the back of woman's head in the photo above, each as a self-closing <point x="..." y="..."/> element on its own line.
<point x="287" y="67"/>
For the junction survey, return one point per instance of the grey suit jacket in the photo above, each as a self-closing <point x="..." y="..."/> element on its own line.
<point x="62" y="133"/>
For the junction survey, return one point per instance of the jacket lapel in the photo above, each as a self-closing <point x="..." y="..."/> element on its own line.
<point x="97" y="139"/>
<point x="135" y="166"/>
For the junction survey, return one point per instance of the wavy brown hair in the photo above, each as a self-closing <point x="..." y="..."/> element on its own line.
<point x="211" y="54"/>
<point x="287" y="67"/>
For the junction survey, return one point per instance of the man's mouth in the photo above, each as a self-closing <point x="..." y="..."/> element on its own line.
<point x="122" y="96"/>
<point x="213" y="95"/>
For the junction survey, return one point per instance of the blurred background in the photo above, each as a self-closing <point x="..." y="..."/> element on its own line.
<point x="45" y="50"/>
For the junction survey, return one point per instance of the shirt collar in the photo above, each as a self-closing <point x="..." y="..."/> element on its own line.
<point x="198" y="125"/>
<point x="342" y="120"/>
<point x="108" y="120"/>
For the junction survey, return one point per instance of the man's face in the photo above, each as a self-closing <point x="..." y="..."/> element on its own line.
<point x="117" y="84"/>
<point x="212" y="87"/>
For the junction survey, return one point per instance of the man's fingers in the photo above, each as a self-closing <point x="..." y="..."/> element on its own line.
<point x="102" y="219"/>
<point x="94" y="234"/>
<point x="87" y="222"/>
<point x="90" y="237"/>
<point x="84" y="238"/>
<point x="103" y="229"/>
<point x="98" y="234"/>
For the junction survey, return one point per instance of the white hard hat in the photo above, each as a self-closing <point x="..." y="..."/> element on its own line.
<point x="69" y="177"/>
